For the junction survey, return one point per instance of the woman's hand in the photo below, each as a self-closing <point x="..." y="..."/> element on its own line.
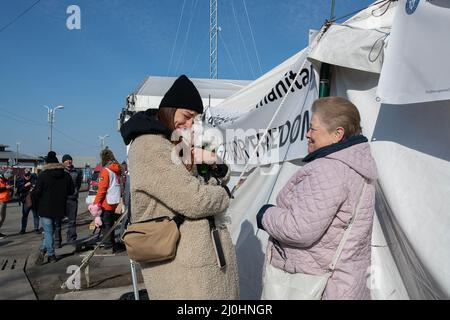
<point x="203" y="156"/>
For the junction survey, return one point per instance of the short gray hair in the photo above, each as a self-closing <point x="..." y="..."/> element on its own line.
<point x="337" y="112"/>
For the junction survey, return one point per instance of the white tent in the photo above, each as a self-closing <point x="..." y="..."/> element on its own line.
<point x="410" y="142"/>
<point x="151" y="91"/>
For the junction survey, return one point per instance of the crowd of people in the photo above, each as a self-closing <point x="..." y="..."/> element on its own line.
<point x="52" y="197"/>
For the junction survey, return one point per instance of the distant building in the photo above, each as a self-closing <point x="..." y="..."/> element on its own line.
<point x="8" y="158"/>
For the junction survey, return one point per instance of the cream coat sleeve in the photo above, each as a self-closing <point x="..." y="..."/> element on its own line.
<point x="153" y="172"/>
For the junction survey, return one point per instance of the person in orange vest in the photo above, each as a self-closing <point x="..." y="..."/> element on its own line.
<point x="5" y="195"/>
<point x="108" y="194"/>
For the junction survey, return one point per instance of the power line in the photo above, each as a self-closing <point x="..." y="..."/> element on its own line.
<point x="73" y="139"/>
<point x="183" y="48"/>
<point x="199" y="53"/>
<point x="253" y="38"/>
<point x="19" y="16"/>
<point x="242" y="39"/>
<point x="12" y="116"/>
<point x="20" y="118"/>
<point x="229" y="55"/>
<point x="176" y="37"/>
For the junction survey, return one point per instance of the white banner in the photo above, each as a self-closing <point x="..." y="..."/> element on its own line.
<point x="244" y="117"/>
<point x="417" y="60"/>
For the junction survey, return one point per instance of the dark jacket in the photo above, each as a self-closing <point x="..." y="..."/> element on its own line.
<point x="53" y="187"/>
<point x="23" y="190"/>
<point x="77" y="177"/>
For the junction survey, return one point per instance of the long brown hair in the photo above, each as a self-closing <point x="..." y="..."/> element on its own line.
<point x="167" y="116"/>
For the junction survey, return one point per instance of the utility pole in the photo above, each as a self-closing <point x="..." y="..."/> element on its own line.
<point x="51" y="121"/>
<point x="102" y="141"/>
<point x="213" y="37"/>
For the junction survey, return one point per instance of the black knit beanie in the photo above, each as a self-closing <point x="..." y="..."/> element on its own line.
<point x="51" y="157"/>
<point x="183" y="94"/>
<point x="66" y="157"/>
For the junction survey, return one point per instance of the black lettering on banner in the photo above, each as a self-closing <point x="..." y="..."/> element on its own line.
<point x="305" y="124"/>
<point x="277" y="87"/>
<point x="257" y="139"/>
<point x="269" y="139"/>
<point x="292" y="76"/>
<point x="305" y="79"/>
<point x="280" y="89"/>
<point x="254" y="144"/>
<point x="283" y="131"/>
<point x="235" y="151"/>
<point x="242" y="149"/>
<point x="272" y="96"/>
<point x="288" y="83"/>
<point x="294" y="131"/>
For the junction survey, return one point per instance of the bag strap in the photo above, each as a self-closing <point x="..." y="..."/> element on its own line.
<point x="332" y="266"/>
<point x="179" y="219"/>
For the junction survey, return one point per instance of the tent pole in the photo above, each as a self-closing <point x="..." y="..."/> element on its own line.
<point x="332" y="10"/>
<point x="324" y="84"/>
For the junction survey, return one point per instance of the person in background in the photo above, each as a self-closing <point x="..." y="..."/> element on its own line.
<point x="5" y="195"/>
<point x="72" y="200"/>
<point x="52" y="189"/>
<point x="24" y="188"/>
<point x="108" y="195"/>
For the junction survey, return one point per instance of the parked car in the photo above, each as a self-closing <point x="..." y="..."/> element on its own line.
<point x="93" y="184"/>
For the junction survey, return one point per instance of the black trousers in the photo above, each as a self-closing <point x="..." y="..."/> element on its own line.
<point x="71" y="214"/>
<point x="108" y="222"/>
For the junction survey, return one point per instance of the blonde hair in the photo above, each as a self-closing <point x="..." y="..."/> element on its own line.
<point x="337" y="112"/>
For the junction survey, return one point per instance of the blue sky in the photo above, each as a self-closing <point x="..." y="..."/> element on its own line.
<point x="92" y="70"/>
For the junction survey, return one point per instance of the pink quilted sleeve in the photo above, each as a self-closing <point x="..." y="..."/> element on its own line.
<point x="306" y="208"/>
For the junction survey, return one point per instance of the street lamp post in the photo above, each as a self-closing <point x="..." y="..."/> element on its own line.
<point x="51" y="120"/>
<point x="17" y="153"/>
<point x="102" y="140"/>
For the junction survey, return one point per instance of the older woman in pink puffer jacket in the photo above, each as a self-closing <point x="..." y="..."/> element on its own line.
<point x="315" y="206"/>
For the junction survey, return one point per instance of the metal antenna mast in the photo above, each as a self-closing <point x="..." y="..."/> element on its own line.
<point x="213" y="37"/>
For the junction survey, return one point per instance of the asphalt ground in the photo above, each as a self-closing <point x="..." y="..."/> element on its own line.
<point x="105" y="271"/>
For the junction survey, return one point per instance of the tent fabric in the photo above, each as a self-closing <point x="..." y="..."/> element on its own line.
<point x="337" y="48"/>
<point x="368" y="29"/>
<point x="418" y="47"/>
<point x="151" y="91"/>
